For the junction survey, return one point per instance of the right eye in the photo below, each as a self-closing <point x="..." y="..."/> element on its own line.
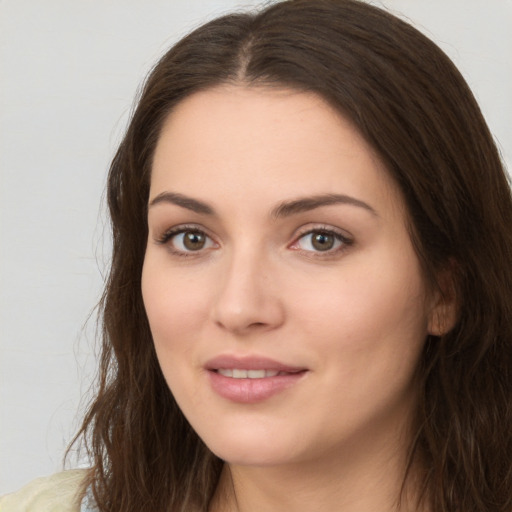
<point x="187" y="240"/>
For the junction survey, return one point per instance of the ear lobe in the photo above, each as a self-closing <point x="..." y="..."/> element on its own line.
<point x="443" y="314"/>
<point x="442" y="319"/>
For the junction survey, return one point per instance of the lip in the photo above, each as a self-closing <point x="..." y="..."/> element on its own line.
<point x="247" y="390"/>
<point x="250" y="363"/>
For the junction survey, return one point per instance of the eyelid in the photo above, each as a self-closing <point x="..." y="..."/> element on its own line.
<point x="167" y="235"/>
<point x="341" y="235"/>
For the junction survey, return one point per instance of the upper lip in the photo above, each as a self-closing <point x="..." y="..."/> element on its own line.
<point x="250" y="363"/>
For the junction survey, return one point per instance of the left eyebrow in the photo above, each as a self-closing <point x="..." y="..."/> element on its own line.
<point x="305" y="204"/>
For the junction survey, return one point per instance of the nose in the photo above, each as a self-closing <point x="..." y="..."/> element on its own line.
<point x="248" y="299"/>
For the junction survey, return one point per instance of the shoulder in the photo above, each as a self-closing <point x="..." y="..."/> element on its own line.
<point x="57" y="493"/>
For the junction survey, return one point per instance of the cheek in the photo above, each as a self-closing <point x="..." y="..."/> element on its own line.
<point x="176" y="306"/>
<point x="366" y="332"/>
<point x="372" y="316"/>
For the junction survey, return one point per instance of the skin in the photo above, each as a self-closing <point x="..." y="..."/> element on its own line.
<point x="355" y="317"/>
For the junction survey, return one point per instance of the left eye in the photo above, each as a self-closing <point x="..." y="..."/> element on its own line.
<point x="320" y="241"/>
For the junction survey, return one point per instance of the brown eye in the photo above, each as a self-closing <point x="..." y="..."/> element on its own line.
<point x="182" y="241"/>
<point x="194" y="240"/>
<point x="322" y="241"/>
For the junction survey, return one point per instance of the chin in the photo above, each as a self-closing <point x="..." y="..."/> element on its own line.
<point x="251" y="449"/>
<point x="253" y="456"/>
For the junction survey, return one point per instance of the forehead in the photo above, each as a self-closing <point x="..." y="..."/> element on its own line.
<point x="238" y="142"/>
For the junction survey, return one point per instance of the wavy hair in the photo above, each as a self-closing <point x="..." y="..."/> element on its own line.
<point x="413" y="107"/>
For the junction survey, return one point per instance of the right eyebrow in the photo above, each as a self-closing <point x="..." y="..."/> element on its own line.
<point x="183" y="201"/>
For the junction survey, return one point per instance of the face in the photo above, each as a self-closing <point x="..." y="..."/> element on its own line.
<point x="285" y="299"/>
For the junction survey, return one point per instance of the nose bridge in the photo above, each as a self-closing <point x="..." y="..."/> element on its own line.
<point x="247" y="296"/>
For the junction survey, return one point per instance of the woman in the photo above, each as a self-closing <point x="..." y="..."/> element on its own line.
<point x="309" y="301"/>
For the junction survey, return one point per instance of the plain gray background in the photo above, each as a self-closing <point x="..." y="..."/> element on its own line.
<point x="69" y="73"/>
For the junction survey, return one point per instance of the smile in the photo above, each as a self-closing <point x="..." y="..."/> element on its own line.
<point x="251" y="379"/>
<point x="236" y="373"/>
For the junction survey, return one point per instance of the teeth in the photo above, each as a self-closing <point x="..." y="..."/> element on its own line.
<point x="256" y="374"/>
<point x="235" y="373"/>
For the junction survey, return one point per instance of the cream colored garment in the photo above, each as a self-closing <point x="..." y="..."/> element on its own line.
<point x="56" y="493"/>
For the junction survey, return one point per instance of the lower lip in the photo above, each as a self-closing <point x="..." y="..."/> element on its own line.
<point x="249" y="391"/>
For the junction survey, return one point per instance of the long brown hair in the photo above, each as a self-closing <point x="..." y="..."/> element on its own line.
<point x="414" y="108"/>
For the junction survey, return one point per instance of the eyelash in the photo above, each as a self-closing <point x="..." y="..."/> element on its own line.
<point x="168" y="235"/>
<point x="345" y="241"/>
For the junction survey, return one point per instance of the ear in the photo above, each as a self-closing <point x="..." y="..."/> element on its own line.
<point x="443" y="312"/>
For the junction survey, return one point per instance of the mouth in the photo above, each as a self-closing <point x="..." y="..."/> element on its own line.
<point x="250" y="367"/>
<point x="251" y="379"/>
<point x="240" y="373"/>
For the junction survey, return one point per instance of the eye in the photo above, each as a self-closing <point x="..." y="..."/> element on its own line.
<point x="321" y="240"/>
<point x="186" y="240"/>
<point x="190" y="241"/>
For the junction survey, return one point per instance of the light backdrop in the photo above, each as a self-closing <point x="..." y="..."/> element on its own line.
<point x="68" y="74"/>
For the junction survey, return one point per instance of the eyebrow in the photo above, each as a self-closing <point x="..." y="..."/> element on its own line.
<point x="305" y="204"/>
<point x="284" y="209"/>
<point x="183" y="201"/>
